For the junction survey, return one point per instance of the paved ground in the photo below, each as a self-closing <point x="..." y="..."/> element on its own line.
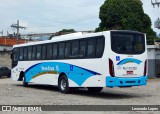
<point x="13" y="93"/>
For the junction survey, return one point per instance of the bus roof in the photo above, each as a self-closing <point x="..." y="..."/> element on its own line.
<point x="61" y="38"/>
<point x="70" y="37"/>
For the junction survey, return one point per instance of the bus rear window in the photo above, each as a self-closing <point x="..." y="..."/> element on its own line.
<point x="127" y="43"/>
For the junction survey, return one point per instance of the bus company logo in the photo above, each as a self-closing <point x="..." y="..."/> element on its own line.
<point x="130" y="68"/>
<point x="48" y="68"/>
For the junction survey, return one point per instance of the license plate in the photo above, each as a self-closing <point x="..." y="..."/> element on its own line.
<point x="129" y="72"/>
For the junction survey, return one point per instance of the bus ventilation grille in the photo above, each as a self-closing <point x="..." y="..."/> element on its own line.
<point x="130" y="81"/>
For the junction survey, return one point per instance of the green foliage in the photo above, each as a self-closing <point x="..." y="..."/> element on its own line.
<point x="62" y="32"/>
<point x="67" y="30"/>
<point x="125" y="15"/>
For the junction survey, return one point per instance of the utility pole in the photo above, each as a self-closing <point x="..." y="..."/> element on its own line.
<point x="17" y="26"/>
<point x="1" y="32"/>
<point x="157" y="22"/>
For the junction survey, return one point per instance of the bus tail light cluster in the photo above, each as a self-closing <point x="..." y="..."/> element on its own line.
<point x="145" y="68"/>
<point x="111" y="68"/>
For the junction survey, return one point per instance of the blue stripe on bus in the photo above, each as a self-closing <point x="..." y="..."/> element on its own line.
<point x="31" y="67"/>
<point x="129" y="60"/>
<point x="75" y="73"/>
<point x="95" y="73"/>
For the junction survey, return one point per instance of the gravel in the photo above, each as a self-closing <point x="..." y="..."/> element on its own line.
<point x="13" y="93"/>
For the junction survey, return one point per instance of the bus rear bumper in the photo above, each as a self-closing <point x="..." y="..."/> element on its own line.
<point x="125" y="82"/>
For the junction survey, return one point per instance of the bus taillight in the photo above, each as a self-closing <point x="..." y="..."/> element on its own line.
<point x="111" y="68"/>
<point x="145" y="68"/>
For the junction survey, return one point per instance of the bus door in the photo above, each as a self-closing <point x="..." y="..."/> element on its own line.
<point x="14" y="57"/>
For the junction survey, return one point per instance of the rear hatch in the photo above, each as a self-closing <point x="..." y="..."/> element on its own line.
<point x="128" y="53"/>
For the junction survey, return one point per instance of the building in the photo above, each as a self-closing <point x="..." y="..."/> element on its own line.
<point x="6" y="43"/>
<point x="153" y="61"/>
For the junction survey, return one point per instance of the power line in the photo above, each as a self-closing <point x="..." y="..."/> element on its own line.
<point x="1" y="32"/>
<point x="17" y="26"/>
<point x="155" y="3"/>
<point x="157" y="22"/>
<point x="72" y="20"/>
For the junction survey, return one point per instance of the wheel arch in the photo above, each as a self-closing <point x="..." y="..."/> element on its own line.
<point x="21" y="75"/>
<point x="60" y="75"/>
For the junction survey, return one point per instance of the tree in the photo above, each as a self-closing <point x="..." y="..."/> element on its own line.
<point x="125" y="15"/>
<point x="62" y="32"/>
<point x="67" y="30"/>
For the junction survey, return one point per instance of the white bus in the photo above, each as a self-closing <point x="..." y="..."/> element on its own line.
<point x="94" y="60"/>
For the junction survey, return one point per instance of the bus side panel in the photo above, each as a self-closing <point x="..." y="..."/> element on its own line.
<point x="99" y="65"/>
<point x="78" y="73"/>
<point x="84" y="72"/>
<point x="105" y="57"/>
<point x="15" y="74"/>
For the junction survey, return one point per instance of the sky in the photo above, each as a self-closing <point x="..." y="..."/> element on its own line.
<point x="47" y="16"/>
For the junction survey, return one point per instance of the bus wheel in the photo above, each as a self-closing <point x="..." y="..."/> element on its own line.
<point x="63" y="84"/>
<point x="25" y="84"/>
<point x="95" y="89"/>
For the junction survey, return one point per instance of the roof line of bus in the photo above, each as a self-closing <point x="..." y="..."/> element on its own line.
<point x="69" y="37"/>
<point x="60" y="38"/>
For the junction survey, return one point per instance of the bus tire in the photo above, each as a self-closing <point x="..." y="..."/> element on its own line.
<point x="63" y="84"/>
<point x="25" y="84"/>
<point x="95" y="89"/>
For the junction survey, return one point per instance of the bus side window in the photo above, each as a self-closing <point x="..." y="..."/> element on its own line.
<point x="44" y="52"/>
<point x="21" y="54"/>
<point x="15" y="54"/>
<point x="49" y="51"/>
<point x="67" y="49"/>
<point x="38" y="55"/>
<point x="75" y="48"/>
<point x="100" y="47"/>
<point x="82" y="53"/>
<point x="91" y="48"/>
<point x="61" y="50"/>
<point x="29" y="53"/>
<point x="55" y="51"/>
<point x="25" y="53"/>
<point x="34" y="53"/>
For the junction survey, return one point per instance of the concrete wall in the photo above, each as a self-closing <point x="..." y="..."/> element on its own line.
<point x="5" y="59"/>
<point x="153" y="52"/>
<point x="151" y="68"/>
<point x="7" y="48"/>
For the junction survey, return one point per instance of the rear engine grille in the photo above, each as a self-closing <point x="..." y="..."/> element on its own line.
<point x="130" y="81"/>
